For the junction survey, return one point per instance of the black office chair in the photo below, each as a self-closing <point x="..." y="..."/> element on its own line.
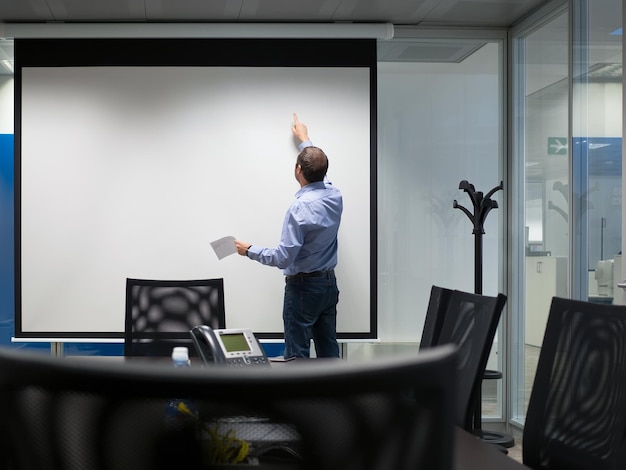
<point x="436" y="313"/>
<point x="160" y="313"/>
<point x="437" y="307"/>
<point x="69" y="413"/>
<point x="576" y="417"/>
<point x="470" y="322"/>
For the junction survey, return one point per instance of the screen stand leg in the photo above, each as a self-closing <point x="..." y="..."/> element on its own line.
<point x="56" y="349"/>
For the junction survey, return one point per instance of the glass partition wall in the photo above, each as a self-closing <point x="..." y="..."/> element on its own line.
<point x="597" y="150"/>
<point x="541" y="160"/>
<point x="566" y="168"/>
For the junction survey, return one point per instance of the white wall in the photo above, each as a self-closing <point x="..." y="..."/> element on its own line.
<point x="6" y="105"/>
<point x="438" y="124"/>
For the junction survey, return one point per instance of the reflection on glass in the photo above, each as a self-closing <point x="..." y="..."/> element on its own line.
<point x="534" y="216"/>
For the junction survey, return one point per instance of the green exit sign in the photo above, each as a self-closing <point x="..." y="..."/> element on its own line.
<point x="557" y="145"/>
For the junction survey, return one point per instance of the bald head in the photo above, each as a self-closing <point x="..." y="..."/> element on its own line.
<point x="314" y="164"/>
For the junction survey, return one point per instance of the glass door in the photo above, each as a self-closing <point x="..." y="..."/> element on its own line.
<point x="567" y="170"/>
<point x="541" y="156"/>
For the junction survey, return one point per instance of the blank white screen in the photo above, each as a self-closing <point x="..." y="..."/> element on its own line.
<point x="132" y="171"/>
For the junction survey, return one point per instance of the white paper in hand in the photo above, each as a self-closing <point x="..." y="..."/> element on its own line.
<point x="224" y="246"/>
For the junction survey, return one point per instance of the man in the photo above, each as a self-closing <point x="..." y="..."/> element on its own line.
<point x="307" y="253"/>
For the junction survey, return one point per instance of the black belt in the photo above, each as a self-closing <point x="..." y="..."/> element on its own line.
<point x="326" y="274"/>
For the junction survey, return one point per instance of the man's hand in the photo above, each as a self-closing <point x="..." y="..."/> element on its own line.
<point x="242" y="247"/>
<point x="299" y="130"/>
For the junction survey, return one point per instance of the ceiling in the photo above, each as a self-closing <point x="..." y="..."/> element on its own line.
<point x="448" y="13"/>
<point x="485" y="13"/>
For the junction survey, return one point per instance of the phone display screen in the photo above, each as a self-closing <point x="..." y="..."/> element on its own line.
<point x="235" y="342"/>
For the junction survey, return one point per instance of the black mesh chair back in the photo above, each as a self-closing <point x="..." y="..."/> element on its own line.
<point x="470" y="323"/>
<point x="160" y="313"/>
<point x="437" y="307"/>
<point x="576" y="416"/>
<point x="89" y="414"/>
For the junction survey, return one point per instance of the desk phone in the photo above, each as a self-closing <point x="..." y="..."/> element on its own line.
<point x="232" y="347"/>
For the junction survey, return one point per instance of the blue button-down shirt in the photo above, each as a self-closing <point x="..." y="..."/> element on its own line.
<point x="308" y="241"/>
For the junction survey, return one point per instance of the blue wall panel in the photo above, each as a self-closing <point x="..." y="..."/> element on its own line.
<point x="7" y="275"/>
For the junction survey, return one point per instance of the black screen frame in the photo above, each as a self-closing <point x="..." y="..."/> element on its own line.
<point x="102" y="52"/>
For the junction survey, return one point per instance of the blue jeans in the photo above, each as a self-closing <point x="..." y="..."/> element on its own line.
<point x="310" y="312"/>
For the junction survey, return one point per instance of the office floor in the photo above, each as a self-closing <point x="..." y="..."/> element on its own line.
<point x="516" y="452"/>
<point x="489" y="396"/>
<point x="489" y="401"/>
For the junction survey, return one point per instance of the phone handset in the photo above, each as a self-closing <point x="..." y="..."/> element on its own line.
<point x="206" y="343"/>
<point x="234" y="347"/>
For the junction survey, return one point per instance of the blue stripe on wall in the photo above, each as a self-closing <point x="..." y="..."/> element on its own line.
<point x="7" y="273"/>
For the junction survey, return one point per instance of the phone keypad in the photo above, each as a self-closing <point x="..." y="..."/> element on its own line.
<point x="246" y="361"/>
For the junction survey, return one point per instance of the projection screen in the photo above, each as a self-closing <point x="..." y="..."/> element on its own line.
<point x="133" y="155"/>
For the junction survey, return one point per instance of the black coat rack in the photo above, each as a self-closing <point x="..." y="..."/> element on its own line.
<point x="482" y="207"/>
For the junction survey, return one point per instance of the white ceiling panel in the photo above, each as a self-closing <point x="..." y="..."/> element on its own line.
<point x="481" y="12"/>
<point x="283" y="10"/>
<point x="193" y="10"/>
<point x="400" y="12"/>
<point x="492" y="13"/>
<point x="92" y="10"/>
<point x="25" y="10"/>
